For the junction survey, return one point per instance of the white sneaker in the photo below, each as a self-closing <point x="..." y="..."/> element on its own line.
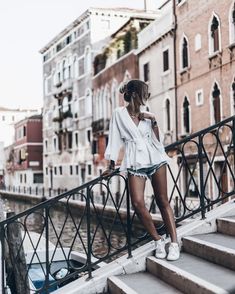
<point x="160" y="249"/>
<point x="174" y="252"/>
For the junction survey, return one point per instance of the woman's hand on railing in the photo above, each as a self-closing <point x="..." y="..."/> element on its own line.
<point x="107" y="172"/>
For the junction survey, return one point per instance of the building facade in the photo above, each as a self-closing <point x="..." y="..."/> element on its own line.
<point x="8" y="118"/>
<point x="205" y="47"/>
<point x="67" y="110"/>
<point x="116" y="64"/>
<point x="24" y="165"/>
<point x="157" y="69"/>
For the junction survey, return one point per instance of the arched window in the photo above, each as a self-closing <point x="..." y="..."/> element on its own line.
<point x="216" y="104"/>
<point x="88" y="102"/>
<point x="64" y="70"/>
<point x="233" y="97"/>
<point x="114" y="96"/>
<point x="186" y="115"/>
<point x="185" y="60"/>
<point x="232" y="24"/>
<point x="87" y="60"/>
<point x="75" y="67"/>
<point x="214" y="37"/>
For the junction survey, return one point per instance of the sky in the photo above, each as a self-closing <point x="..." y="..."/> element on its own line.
<point x="25" y="27"/>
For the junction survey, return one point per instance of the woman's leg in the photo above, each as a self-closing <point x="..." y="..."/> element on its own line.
<point x="159" y="183"/>
<point x="136" y="187"/>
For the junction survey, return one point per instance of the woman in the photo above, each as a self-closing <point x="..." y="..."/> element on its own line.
<point x="144" y="158"/>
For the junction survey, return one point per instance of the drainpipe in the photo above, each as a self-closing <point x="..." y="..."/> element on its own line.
<point x="175" y="67"/>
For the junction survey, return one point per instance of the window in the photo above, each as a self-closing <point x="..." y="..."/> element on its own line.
<point x="46" y="170"/>
<point x="76" y="139"/>
<point x="21" y="178"/>
<point x="89" y="136"/>
<point x="25" y="178"/>
<point x="198" y="42"/>
<point x="233" y="97"/>
<point x="87" y="60"/>
<point x="88" y="102"/>
<point x="75" y="67"/>
<point x="167" y="115"/>
<point x="55" y="170"/>
<point x="60" y="170"/>
<point x="215" y="33"/>
<point x="185" y="62"/>
<point x="55" y="144"/>
<point x="77" y="169"/>
<point x="186" y="116"/>
<point x="146" y="72"/>
<point x="13" y="118"/>
<point x="3" y="118"/>
<point x="38" y="178"/>
<point x="71" y="169"/>
<point x="216" y="104"/>
<point x="70" y="140"/>
<point x="89" y="169"/>
<point x="232" y="24"/>
<point x="199" y="97"/>
<point x="165" y="60"/>
<point x="46" y="145"/>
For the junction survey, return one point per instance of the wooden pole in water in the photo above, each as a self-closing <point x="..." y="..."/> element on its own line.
<point x="17" y="257"/>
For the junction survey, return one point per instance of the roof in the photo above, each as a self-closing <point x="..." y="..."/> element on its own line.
<point x="2" y="108"/>
<point x="85" y="15"/>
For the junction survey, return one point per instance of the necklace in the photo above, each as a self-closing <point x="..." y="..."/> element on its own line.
<point x="133" y="115"/>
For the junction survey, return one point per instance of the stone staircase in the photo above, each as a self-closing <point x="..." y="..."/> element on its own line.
<point x="206" y="265"/>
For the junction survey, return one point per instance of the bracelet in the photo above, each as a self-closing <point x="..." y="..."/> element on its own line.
<point x="154" y="123"/>
<point x="111" y="167"/>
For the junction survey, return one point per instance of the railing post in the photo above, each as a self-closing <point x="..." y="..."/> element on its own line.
<point x="202" y="188"/>
<point x="88" y="209"/>
<point x="128" y="214"/>
<point x="47" y="285"/>
<point x="233" y="142"/>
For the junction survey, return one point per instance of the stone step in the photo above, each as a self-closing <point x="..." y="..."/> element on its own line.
<point x="191" y="274"/>
<point x="215" y="247"/>
<point x="226" y="225"/>
<point x="139" y="283"/>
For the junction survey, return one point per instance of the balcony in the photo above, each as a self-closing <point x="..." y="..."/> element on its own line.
<point x="100" y="125"/>
<point x="62" y="88"/>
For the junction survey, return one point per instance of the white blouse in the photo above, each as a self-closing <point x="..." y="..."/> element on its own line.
<point x="142" y="148"/>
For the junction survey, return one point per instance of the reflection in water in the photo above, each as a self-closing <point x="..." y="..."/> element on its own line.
<point x="70" y="229"/>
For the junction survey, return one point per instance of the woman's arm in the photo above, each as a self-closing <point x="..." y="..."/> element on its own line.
<point x="154" y="124"/>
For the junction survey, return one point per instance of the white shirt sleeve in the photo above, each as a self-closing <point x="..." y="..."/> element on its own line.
<point x="115" y="141"/>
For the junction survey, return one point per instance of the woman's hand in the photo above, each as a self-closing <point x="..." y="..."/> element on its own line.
<point x="147" y="115"/>
<point x="107" y="172"/>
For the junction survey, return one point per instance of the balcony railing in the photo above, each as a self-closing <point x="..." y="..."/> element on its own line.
<point x="200" y="161"/>
<point x="100" y="125"/>
<point x="63" y="86"/>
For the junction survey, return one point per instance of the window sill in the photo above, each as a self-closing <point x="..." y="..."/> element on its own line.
<point x="184" y="70"/>
<point x="231" y="46"/>
<point x="217" y="54"/>
<point x="181" y="3"/>
<point x="165" y="73"/>
<point x="184" y="135"/>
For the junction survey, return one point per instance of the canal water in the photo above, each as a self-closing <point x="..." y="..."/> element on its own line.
<point x="68" y="228"/>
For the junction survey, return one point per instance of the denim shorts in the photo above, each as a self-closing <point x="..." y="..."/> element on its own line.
<point x="145" y="172"/>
